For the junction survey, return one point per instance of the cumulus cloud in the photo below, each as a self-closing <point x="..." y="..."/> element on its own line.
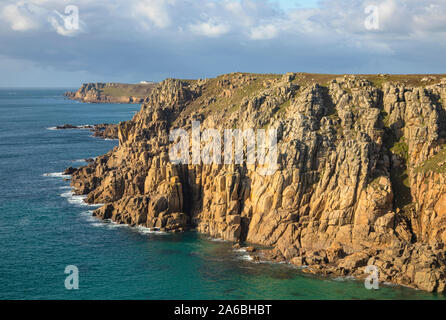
<point x="139" y="38"/>
<point x="265" y="32"/>
<point x="21" y="16"/>
<point x="31" y="15"/>
<point x="155" y="11"/>
<point x="209" y="29"/>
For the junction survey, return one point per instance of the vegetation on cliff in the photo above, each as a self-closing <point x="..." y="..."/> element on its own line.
<point x="112" y="93"/>
<point x="359" y="179"/>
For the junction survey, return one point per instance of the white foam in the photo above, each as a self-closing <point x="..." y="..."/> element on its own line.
<point x="95" y="205"/>
<point x="114" y="225"/>
<point x="98" y="224"/>
<point x="78" y="199"/>
<point x="217" y="240"/>
<point x="144" y="230"/>
<point x="88" y="215"/>
<point x="74" y="199"/>
<point x="85" y="126"/>
<point x="109" y="224"/>
<point x="272" y="262"/>
<point x="56" y="175"/>
<point x="79" y="160"/>
<point x="246" y="257"/>
<point x="345" y="278"/>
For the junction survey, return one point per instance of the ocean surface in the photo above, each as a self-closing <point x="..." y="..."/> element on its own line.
<point x="43" y="228"/>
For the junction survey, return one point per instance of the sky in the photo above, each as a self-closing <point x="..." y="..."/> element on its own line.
<point x="64" y="43"/>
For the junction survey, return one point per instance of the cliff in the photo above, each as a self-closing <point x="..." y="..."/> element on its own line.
<point x="112" y="93"/>
<point x="360" y="178"/>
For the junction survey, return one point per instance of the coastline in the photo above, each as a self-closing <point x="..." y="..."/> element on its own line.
<point x="111" y="93"/>
<point x="125" y="199"/>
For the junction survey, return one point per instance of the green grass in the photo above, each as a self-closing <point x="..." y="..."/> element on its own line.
<point x="435" y="164"/>
<point x="378" y="81"/>
<point x="282" y="108"/>
<point x="385" y="119"/>
<point x="232" y="103"/>
<point x="127" y="90"/>
<point x="399" y="176"/>
<point x="401" y="149"/>
<point x="401" y="187"/>
<point x="413" y="80"/>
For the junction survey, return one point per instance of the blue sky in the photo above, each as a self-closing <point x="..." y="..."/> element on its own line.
<point x="289" y="4"/>
<point x="134" y="40"/>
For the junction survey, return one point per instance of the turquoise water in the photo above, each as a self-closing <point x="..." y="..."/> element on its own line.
<point x="43" y="229"/>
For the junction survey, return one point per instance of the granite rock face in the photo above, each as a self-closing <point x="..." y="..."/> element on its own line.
<point x="360" y="178"/>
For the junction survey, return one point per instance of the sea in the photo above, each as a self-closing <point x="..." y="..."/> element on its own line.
<point x="44" y="228"/>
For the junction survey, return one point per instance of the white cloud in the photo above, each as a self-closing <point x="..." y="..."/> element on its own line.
<point x="264" y="32"/>
<point x="20" y="16"/>
<point x="156" y="11"/>
<point x="27" y="15"/>
<point x="331" y="36"/>
<point x="209" y="29"/>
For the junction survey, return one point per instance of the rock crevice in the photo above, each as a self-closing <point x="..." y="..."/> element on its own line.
<point x="360" y="179"/>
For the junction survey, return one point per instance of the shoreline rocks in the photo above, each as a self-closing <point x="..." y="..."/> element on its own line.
<point x="359" y="179"/>
<point x="70" y="126"/>
<point x="103" y="130"/>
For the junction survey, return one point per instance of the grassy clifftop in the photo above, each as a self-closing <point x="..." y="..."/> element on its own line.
<point x="112" y="92"/>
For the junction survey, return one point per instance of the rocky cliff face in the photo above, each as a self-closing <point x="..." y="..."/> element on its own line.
<point x="112" y="93"/>
<point x="360" y="179"/>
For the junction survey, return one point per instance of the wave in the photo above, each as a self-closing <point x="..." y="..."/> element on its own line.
<point x="109" y="224"/>
<point x="217" y="240"/>
<point x="344" y="278"/>
<point x="88" y="215"/>
<point x="98" y="224"/>
<point x="277" y="262"/>
<point x="113" y="225"/>
<point x="242" y="254"/>
<point x="78" y="199"/>
<point x="246" y="257"/>
<point x="85" y="126"/>
<point x="82" y="126"/>
<point x="57" y="175"/>
<point x="74" y="199"/>
<point x="145" y="230"/>
<point x="79" y="160"/>
<point x="83" y="160"/>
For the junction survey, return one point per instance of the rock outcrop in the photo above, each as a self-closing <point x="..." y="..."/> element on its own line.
<point x="112" y="93"/>
<point x="360" y="178"/>
<point x="103" y="130"/>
